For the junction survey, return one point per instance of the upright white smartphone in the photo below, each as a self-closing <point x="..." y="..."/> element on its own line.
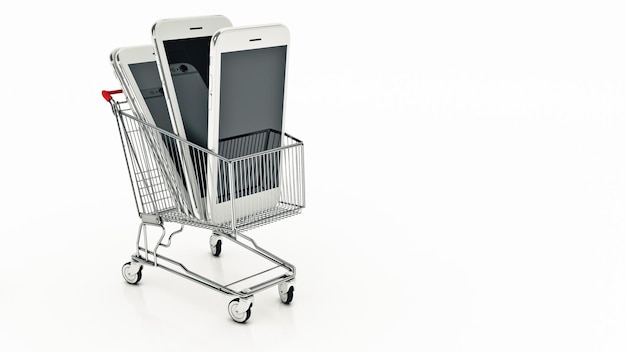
<point x="182" y="49"/>
<point x="136" y="69"/>
<point x="248" y="72"/>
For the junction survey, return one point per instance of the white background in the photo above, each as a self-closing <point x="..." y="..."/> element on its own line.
<point x="465" y="168"/>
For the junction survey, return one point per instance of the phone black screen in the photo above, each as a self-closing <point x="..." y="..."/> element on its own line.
<point x="252" y="89"/>
<point x="189" y="67"/>
<point x="146" y="75"/>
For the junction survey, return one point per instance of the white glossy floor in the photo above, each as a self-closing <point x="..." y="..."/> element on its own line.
<point x="466" y="185"/>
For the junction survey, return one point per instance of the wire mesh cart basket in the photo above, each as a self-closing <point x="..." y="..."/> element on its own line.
<point x="258" y="179"/>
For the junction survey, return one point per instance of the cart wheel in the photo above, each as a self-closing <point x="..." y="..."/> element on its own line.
<point x="238" y="317"/>
<point x="216" y="249"/>
<point x="131" y="278"/>
<point x="286" y="297"/>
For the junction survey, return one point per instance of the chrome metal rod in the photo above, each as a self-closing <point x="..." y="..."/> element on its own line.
<point x="156" y="246"/>
<point x="212" y="284"/>
<point x="139" y="238"/>
<point x="120" y="126"/>
<point x="303" y="186"/>
<point x="172" y="136"/>
<point x="253" y="275"/>
<point x="231" y="182"/>
<point x="181" y="266"/>
<point x="145" y="239"/>
<point x="269" y="283"/>
<point x="265" y="152"/>
<point x="169" y="238"/>
<point x="264" y="253"/>
<point x="188" y="274"/>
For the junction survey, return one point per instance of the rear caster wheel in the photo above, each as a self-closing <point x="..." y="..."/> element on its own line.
<point x="236" y="312"/>
<point x="216" y="246"/>
<point x="285" y="290"/>
<point x="131" y="274"/>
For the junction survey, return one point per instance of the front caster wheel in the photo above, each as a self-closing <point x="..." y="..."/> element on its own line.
<point x="131" y="274"/>
<point x="240" y="317"/>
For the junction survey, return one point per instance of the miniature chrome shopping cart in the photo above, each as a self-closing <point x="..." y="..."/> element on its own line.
<point x="160" y="188"/>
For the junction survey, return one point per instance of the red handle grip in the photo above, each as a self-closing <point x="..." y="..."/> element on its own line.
<point x="107" y="94"/>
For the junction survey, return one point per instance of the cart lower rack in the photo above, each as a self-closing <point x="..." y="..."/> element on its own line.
<point x="259" y="179"/>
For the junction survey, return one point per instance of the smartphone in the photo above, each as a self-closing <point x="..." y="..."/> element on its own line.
<point x="248" y="73"/>
<point x="182" y="50"/>
<point x="136" y="69"/>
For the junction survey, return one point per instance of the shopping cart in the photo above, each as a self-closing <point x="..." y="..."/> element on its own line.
<point x="231" y="184"/>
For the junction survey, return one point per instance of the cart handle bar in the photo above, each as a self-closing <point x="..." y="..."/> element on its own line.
<point x="107" y="94"/>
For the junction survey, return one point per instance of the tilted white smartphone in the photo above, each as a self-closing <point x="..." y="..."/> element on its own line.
<point x="182" y="49"/>
<point x="136" y="69"/>
<point x="248" y="73"/>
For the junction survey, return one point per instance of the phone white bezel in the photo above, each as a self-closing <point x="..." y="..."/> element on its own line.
<point x="232" y="40"/>
<point x="121" y="60"/>
<point x="175" y="29"/>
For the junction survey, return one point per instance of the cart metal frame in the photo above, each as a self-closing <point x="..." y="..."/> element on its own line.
<point x="162" y="198"/>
